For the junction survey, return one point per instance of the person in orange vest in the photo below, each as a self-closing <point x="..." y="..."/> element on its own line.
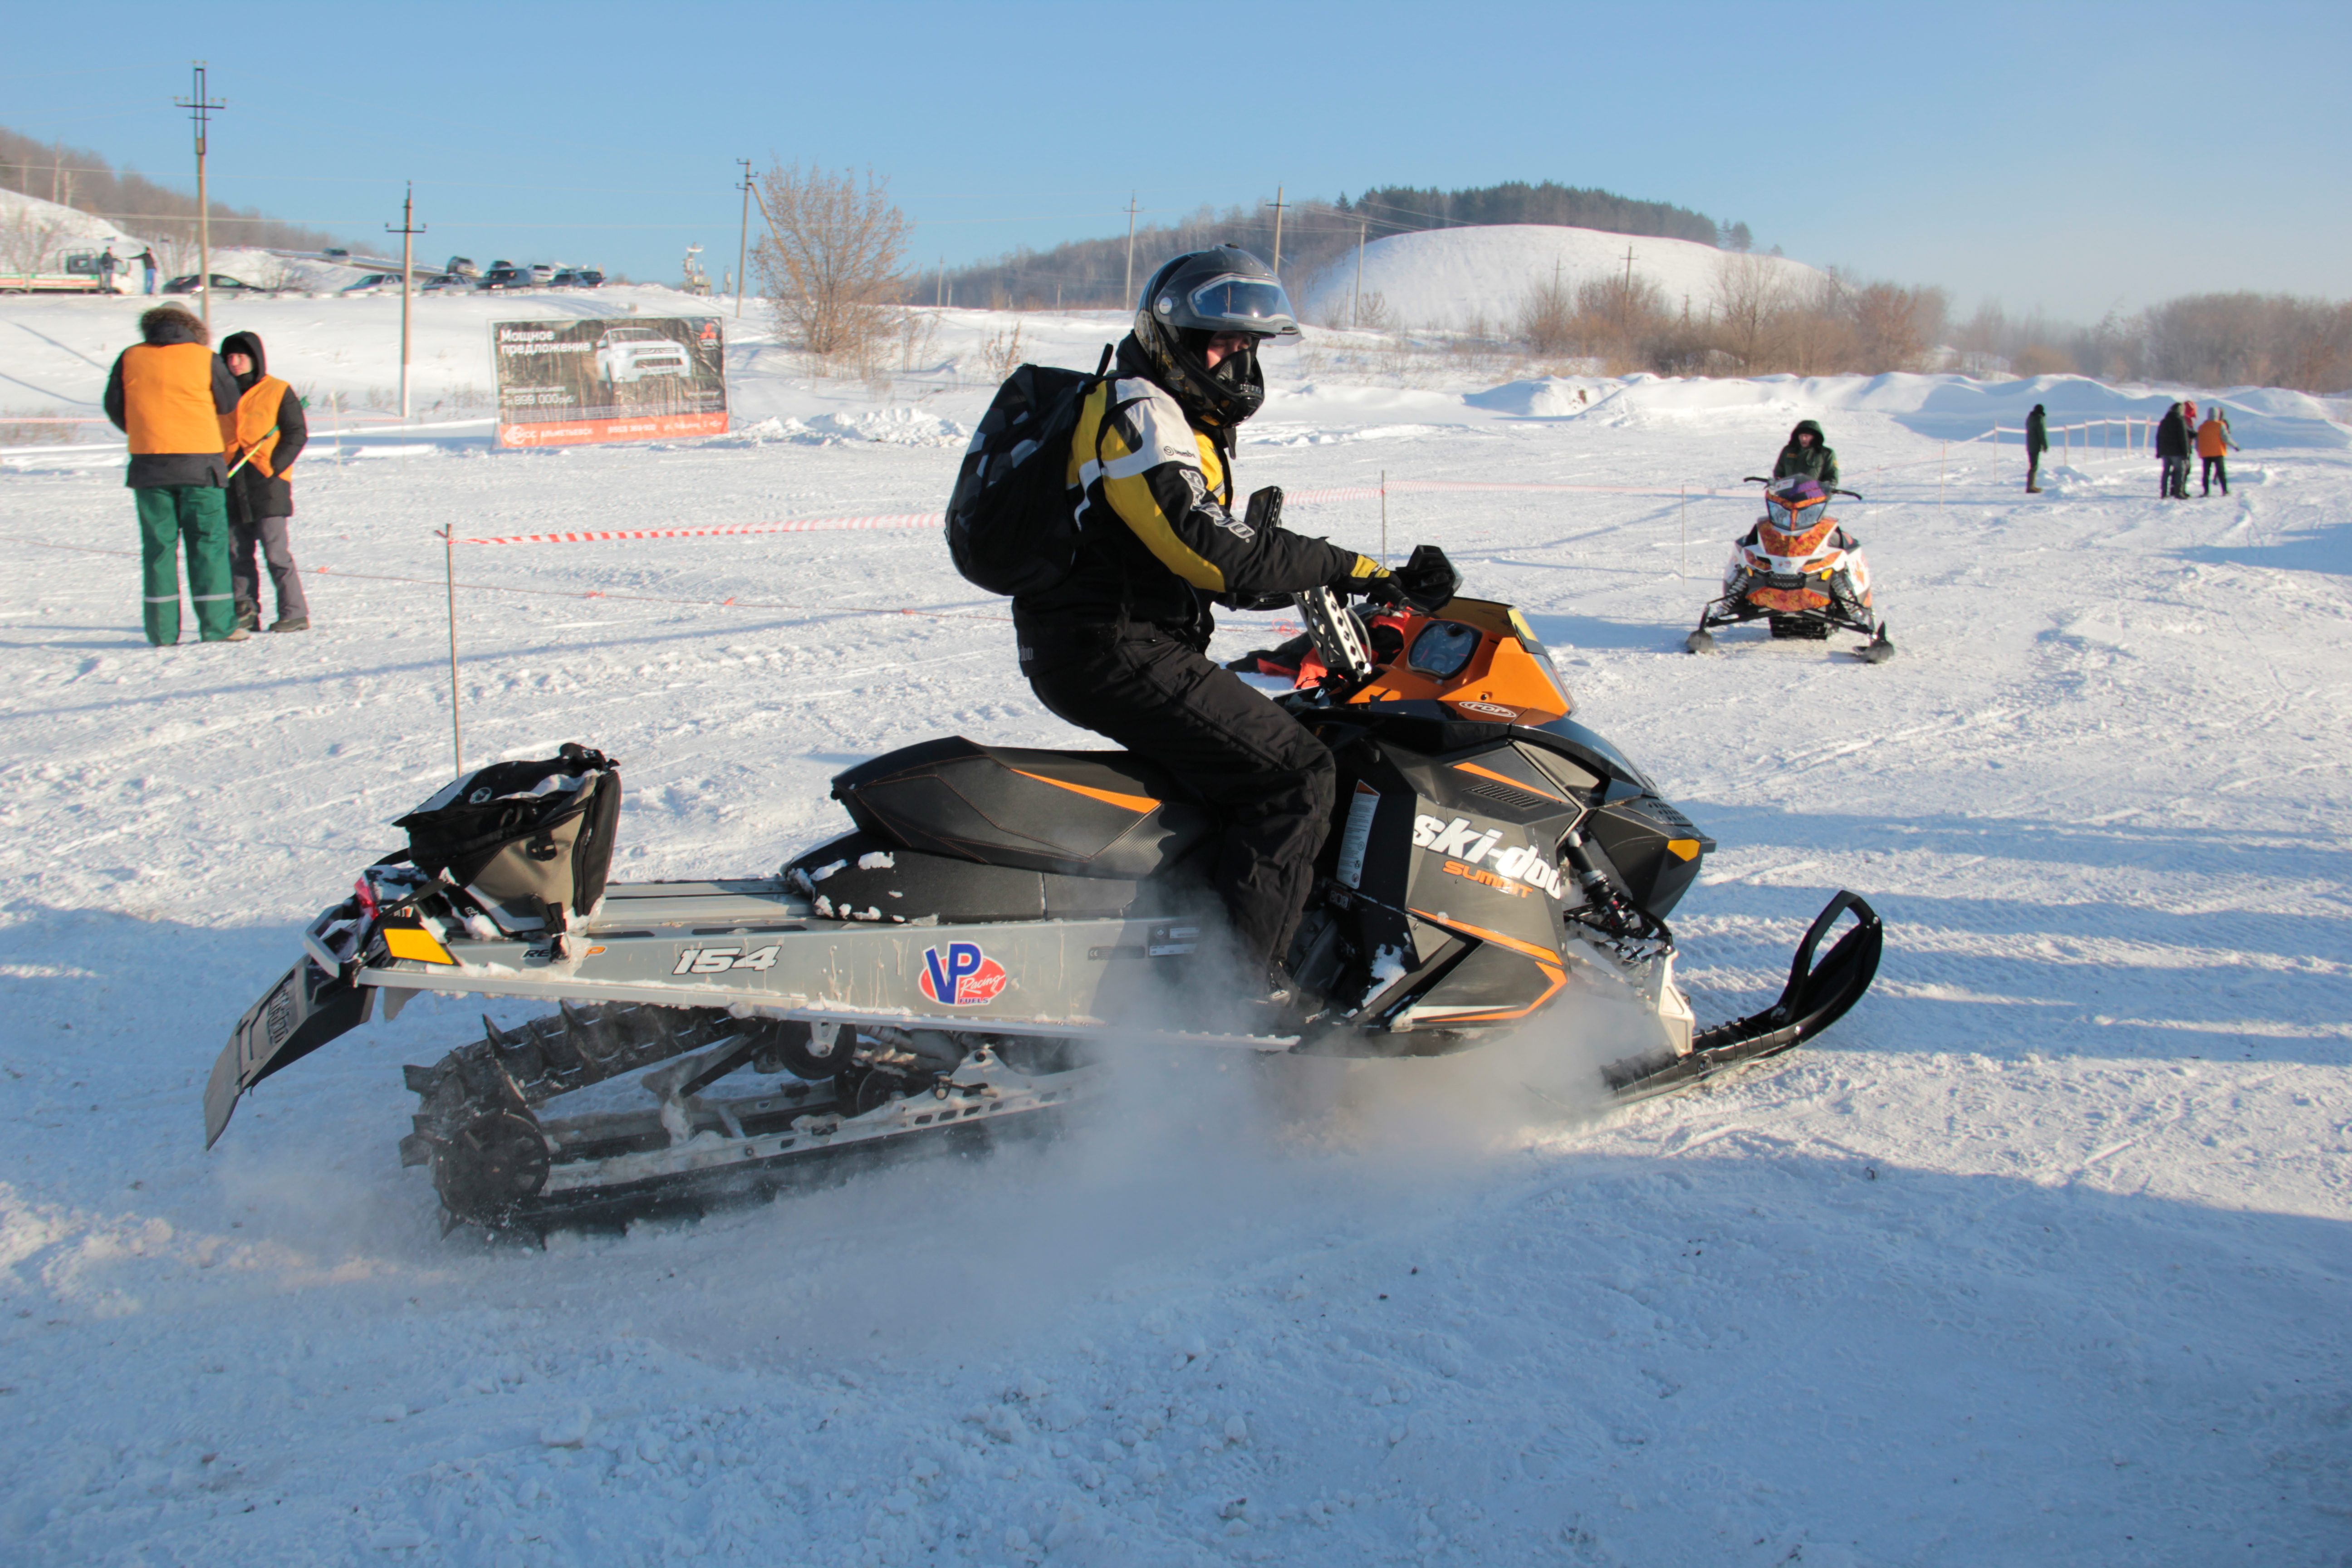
<point x="170" y="393"/>
<point x="2213" y="445"/>
<point x="270" y="434"/>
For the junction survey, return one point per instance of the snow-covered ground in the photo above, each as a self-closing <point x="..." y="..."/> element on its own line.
<point x="2039" y="1256"/>
<point x="1454" y="278"/>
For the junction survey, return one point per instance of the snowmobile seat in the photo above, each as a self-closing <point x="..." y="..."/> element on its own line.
<point x="1072" y="813"/>
<point x="859" y="876"/>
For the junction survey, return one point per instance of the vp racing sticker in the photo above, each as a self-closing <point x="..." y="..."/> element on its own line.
<point x="960" y="975"/>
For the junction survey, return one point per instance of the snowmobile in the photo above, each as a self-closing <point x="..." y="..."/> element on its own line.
<point x="1798" y="572"/>
<point x="946" y="971"/>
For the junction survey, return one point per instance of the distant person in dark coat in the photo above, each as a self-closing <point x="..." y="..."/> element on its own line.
<point x="270" y="434"/>
<point x="2172" y="449"/>
<point x="1807" y="453"/>
<point x="147" y="262"/>
<point x="2037" y="441"/>
<point x="2213" y="445"/>
<point x="168" y="395"/>
<point x="106" y="266"/>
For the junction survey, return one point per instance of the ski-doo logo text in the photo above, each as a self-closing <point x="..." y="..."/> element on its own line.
<point x="961" y="976"/>
<point x="718" y="960"/>
<point x="1461" y="844"/>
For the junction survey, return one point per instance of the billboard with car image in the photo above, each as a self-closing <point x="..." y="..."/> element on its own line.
<point x="609" y="378"/>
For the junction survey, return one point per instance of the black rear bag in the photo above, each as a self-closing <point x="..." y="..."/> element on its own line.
<point x="532" y="841"/>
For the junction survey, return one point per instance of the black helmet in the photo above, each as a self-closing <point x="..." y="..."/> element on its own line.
<point x="1191" y="300"/>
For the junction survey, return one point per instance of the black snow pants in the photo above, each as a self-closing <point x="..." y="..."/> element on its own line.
<point x="2215" y="467"/>
<point x="1270" y="782"/>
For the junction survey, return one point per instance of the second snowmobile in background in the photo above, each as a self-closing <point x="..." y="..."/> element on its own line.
<point x="949" y="966"/>
<point x="1798" y="572"/>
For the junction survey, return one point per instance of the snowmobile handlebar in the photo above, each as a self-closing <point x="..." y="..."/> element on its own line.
<point x="1827" y="490"/>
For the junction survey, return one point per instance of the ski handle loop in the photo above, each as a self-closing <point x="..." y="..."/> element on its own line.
<point x="1800" y="967"/>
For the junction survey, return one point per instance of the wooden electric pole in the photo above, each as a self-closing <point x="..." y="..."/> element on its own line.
<point x="200" y="108"/>
<point x="1356" y="305"/>
<point x="1130" y="247"/>
<point x="1277" y="230"/>
<point x="743" y="244"/>
<point x="408" y="231"/>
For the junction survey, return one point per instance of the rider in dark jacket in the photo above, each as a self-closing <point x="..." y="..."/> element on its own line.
<point x="1119" y="646"/>
<point x="2172" y="440"/>
<point x="1807" y="453"/>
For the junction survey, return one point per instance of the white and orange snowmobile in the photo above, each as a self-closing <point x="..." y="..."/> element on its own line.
<point x="945" y="971"/>
<point x="1798" y="572"/>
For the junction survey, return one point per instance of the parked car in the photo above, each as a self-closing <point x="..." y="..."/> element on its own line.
<point x="541" y="274"/>
<point x="336" y="253"/>
<point x="632" y="353"/>
<point x="463" y="266"/>
<point x="579" y="278"/>
<point x="505" y="275"/>
<point x="370" y="283"/>
<point x="222" y="284"/>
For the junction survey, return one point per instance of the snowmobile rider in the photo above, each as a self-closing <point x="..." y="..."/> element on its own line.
<point x="270" y="434"/>
<point x="1807" y="453"/>
<point x="1119" y="646"/>
<point x="168" y="393"/>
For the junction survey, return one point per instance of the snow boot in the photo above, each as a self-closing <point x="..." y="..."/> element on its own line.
<point x="291" y="624"/>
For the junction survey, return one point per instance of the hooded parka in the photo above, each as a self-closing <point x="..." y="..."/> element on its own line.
<point x="173" y="397"/>
<point x="269" y="424"/>
<point x="1815" y="462"/>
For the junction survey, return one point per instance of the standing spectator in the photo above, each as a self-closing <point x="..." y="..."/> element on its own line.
<point x="2037" y="441"/>
<point x="147" y="260"/>
<point x="168" y="395"/>
<point x="2172" y="449"/>
<point x="269" y="435"/>
<point x="106" y="270"/>
<point x="1807" y="453"/>
<point x="2213" y="445"/>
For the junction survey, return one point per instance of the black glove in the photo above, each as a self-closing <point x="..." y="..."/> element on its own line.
<point x="1265" y="510"/>
<point x="1426" y="582"/>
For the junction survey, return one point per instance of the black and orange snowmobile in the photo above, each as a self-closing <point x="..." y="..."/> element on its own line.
<point x="946" y="969"/>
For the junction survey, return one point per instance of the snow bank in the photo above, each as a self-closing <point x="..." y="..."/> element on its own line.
<point x="1452" y="277"/>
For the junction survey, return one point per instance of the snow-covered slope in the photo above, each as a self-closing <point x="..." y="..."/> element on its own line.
<point x="1452" y="278"/>
<point x="2037" y="1258"/>
<point x="34" y="232"/>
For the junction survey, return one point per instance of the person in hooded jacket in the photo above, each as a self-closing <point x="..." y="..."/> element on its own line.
<point x="2214" y="445"/>
<point x="2037" y="441"/>
<point x="269" y="434"/>
<point x="1807" y="453"/>
<point x="169" y="394"/>
<point x="2172" y="436"/>
<point x="1119" y="646"/>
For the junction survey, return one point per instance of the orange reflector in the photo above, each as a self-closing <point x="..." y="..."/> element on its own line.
<point x="407" y="942"/>
<point x="1687" y="848"/>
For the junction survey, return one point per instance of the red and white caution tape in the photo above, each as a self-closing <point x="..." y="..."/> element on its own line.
<point x="795" y="525"/>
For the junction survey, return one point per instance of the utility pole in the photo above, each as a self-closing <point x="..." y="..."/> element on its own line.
<point x="408" y="231"/>
<point x="1130" y="247"/>
<point x="940" y="288"/>
<point x="1277" y="230"/>
<point x="200" y="108"/>
<point x="743" y="243"/>
<point x="1356" y="304"/>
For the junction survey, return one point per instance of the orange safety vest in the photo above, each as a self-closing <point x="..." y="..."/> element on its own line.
<point x="254" y="426"/>
<point x="2212" y="438"/>
<point x="167" y="399"/>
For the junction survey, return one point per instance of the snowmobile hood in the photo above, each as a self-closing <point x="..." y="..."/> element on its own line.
<point x="246" y="343"/>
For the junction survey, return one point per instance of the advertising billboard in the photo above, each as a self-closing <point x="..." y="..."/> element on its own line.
<point x="609" y="378"/>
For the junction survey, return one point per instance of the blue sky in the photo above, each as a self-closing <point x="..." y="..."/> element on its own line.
<point x="2079" y="156"/>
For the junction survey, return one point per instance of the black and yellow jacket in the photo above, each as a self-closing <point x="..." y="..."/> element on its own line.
<point x="1160" y="532"/>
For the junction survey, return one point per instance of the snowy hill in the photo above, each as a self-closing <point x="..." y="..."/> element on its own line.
<point x="35" y="232"/>
<point x="1451" y="278"/>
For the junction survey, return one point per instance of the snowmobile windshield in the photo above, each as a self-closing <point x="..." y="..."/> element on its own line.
<point x="1232" y="304"/>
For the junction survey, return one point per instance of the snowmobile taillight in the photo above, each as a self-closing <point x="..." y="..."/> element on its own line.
<point x="366" y="895"/>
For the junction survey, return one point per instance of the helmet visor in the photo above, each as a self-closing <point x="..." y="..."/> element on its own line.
<point x="1231" y="304"/>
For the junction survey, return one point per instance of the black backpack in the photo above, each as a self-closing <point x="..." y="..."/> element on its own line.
<point x="1010" y="526"/>
<point x="531" y="840"/>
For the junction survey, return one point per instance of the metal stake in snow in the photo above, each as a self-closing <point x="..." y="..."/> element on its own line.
<point x="1384" y="519"/>
<point x="1685" y="532"/>
<point x="1941" y="470"/>
<point x="457" y="737"/>
<point x="408" y="231"/>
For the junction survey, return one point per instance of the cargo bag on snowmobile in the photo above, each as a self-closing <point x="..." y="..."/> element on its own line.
<point x="531" y="840"/>
<point x="1011" y="527"/>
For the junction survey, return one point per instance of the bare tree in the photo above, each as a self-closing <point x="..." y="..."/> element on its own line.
<point x="831" y="262"/>
<point x="1751" y="295"/>
<point x="1548" y="316"/>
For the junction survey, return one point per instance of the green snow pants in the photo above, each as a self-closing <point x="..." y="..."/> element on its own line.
<point x="196" y="515"/>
